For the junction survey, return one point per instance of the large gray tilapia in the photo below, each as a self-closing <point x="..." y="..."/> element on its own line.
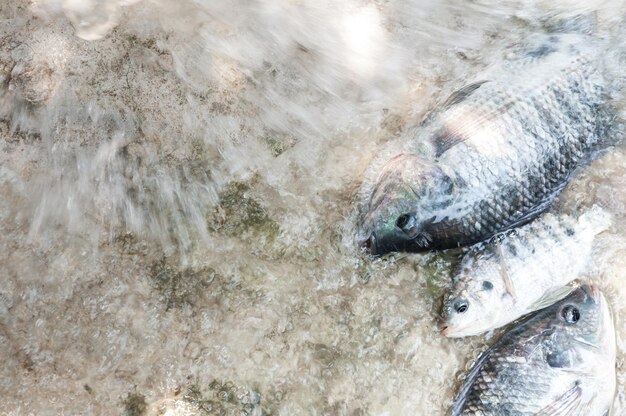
<point x="494" y="155"/>
<point x="560" y="361"/>
<point x="514" y="274"/>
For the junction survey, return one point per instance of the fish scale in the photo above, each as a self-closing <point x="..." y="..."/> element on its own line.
<point x="555" y="167"/>
<point x="509" y="145"/>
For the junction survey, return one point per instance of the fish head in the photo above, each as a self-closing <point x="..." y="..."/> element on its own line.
<point x="405" y="198"/>
<point x="577" y="346"/>
<point x="468" y="308"/>
<point x="581" y="322"/>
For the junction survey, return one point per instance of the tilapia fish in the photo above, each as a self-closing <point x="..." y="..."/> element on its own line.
<point x="494" y="155"/>
<point x="514" y="274"/>
<point x="559" y="361"/>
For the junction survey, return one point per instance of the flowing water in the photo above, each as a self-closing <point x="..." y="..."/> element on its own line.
<point x="179" y="182"/>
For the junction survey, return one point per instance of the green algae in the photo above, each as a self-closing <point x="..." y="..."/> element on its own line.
<point x="238" y="213"/>
<point x="180" y="287"/>
<point x="277" y="143"/>
<point x="221" y="398"/>
<point x="135" y="404"/>
<point x="436" y="272"/>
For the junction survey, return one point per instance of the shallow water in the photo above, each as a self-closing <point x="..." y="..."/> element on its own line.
<point x="178" y="191"/>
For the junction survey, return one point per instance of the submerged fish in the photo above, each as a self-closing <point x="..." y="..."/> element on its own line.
<point x="559" y="361"/>
<point x="494" y="155"/>
<point x="514" y="274"/>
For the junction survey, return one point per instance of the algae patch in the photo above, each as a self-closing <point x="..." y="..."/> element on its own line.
<point x="135" y="404"/>
<point x="226" y="398"/>
<point x="278" y="143"/>
<point x="180" y="287"/>
<point x="436" y="272"/>
<point x="238" y="213"/>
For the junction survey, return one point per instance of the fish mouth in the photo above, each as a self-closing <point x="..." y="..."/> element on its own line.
<point x="368" y="245"/>
<point x="376" y="247"/>
<point x="398" y="242"/>
<point x="444" y="330"/>
<point x="452" y="332"/>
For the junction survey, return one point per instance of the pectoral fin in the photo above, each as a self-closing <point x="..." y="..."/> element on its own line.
<point x="461" y="94"/>
<point x="551" y="296"/>
<point x="506" y="279"/>
<point x="568" y="404"/>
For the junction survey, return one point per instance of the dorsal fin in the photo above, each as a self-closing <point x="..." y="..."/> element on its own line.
<point x="455" y="98"/>
<point x="461" y="94"/>
<point x="449" y="136"/>
<point x="450" y="132"/>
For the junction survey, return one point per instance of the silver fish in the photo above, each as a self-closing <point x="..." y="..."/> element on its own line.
<point x="494" y="155"/>
<point x="512" y="275"/>
<point x="559" y="361"/>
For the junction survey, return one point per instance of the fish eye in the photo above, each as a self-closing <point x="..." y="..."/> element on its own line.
<point x="461" y="306"/>
<point x="570" y="314"/>
<point x="403" y="220"/>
